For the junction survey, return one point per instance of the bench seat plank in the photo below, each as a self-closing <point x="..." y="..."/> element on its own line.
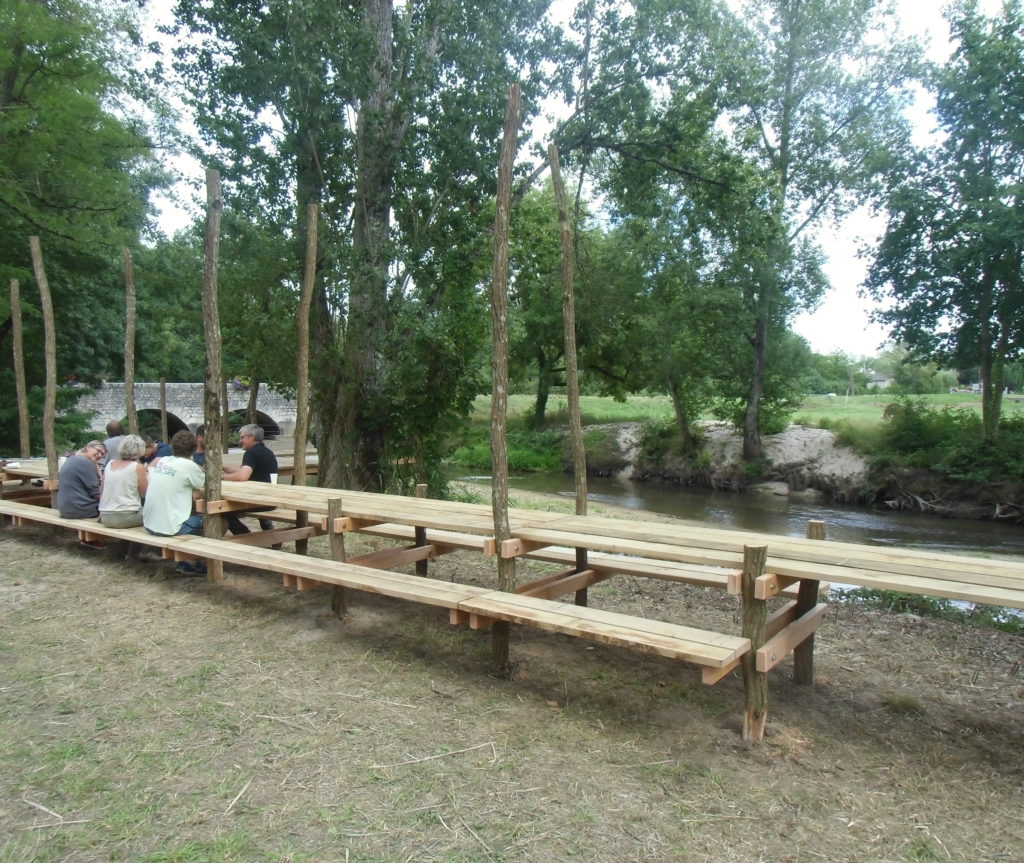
<point x="651" y="636"/>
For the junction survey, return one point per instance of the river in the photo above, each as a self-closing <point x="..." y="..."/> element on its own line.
<point x="787" y="516"/>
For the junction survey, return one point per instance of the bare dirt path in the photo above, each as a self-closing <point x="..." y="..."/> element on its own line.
<point x="146" y="717"/>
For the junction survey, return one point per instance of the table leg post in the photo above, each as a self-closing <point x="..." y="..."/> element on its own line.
<point x="335" y="512"/>
<point x="301" y="520"/>
<point x="755" y="613"/>
<point x="807" y="599"/>
<point x="421" y="532"/>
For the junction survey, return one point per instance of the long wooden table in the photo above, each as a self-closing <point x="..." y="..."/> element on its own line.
<point x="991" y="581"/>
<point x="757" y="568"/>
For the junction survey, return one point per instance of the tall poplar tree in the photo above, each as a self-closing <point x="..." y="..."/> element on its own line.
<point x="817" y="102"/>
<point x="951" y="261"/>
<point x="389" y="117"/>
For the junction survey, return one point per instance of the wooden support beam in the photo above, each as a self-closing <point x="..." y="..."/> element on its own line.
<point x="770" y="584"/>
<point x="780" y="619"/>
<point x="347" y="524"/>
<point x="478" y="621"/>
<point x="51" y="484"/>
<point x="781" y="645"/>
<point x="215" y="507"/>
<point x="267" y="538"/>
<point x="389" y="558"/>
<point x="561" y="584"/>
<point x="511" y="547"/>
<point x="711" y="676"/>
<point x="734" y="583"/>
<point x="755" y="613"/>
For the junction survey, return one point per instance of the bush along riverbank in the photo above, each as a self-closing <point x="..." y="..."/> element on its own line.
<point x="817" y="461"/>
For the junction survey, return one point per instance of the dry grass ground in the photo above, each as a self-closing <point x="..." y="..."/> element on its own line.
<point x="149" y="717"/>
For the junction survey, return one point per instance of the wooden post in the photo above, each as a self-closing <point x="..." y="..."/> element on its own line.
<point x="755" y="613"/>
<point x="163" y="409"/>
<point x="24" y="434"/>
<point x="50" y="348"/>
<point x="212" y="528"/>
<point x="334" y="513"/>
<point x="501" y="630"/>
<point x="225" y="436"/>
<point x="807" y="599"/>
<point x="129" y="343"/>
<point x="302" y="350"/>
<point x="572" y="377"/>
<point x="421" y="532"/>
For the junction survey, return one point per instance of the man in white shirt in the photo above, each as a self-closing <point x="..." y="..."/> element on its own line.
<point x="174" y="482"/>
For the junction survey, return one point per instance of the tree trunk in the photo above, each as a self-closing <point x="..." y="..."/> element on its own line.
<point x="540" y="403"/>
<point x="212" y="413"/>
<point x="302" y="350"/>
<point x="499" y="368"/>
<point x="752" y="447"/>
<point x="254" y="394"/>
<point x="682" y="416"/>
<point x="129" y="343"/>
<point x="20" y="388"/>
<point x="572" y="378"/>
<point x="50" y="350"/>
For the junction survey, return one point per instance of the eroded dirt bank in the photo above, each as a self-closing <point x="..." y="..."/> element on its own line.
<point x="810" y="461"/>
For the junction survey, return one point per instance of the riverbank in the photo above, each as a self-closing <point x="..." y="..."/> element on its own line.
<point x="810" y="463"/>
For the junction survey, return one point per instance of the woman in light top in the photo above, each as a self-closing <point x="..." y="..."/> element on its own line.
<point x="125" y="482"/>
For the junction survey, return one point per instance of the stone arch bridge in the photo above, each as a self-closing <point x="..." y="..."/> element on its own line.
<point x="184" y="403"/>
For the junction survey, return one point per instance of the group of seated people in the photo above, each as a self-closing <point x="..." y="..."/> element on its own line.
<point x="128" y="481"/>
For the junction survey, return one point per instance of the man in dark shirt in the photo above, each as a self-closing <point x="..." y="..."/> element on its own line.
<point x="258" y="463"/>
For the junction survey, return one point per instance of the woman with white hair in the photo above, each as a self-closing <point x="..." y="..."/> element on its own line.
<point x="125" y="481"/>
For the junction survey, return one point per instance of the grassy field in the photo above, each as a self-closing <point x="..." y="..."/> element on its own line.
<point x="816" y="410"/>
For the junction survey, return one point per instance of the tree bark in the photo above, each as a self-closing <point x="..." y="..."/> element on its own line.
<point x="129" y="343"/>
<point x="24" y="432"/>
<point x="50" y="351"/>
<point x="212" y="413"/>
<point x="572" y="377"/>
<point x="302" y="350"/>
<point x="499" y="368"/>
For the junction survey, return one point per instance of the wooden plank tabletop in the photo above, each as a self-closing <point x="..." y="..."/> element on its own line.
<point x="973" y="579"/>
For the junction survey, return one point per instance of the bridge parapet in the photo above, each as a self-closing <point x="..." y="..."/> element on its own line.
<point x="185" y="401"/>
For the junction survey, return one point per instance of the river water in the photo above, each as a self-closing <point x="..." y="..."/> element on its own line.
<point x="787" y="516"/>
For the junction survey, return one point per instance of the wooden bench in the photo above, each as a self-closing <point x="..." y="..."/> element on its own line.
<point x="477" y="605"/>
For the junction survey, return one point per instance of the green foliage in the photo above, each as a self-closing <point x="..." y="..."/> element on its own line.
<point x="528" y="451"/>
<point x="71" y="428"/>
<point x="949" y="262"/>
<point x="951" y="443"/>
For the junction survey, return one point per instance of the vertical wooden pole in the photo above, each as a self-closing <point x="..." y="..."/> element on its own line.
<point x="24" y="434"/>
<point x="225" y="436"/>
<point x="50" y="349"/>
<point x="163" y="409"/>
<point x="212" y="528"/>
<point x="572" y="377"/>
<point x="807" y="599"/>
<point x="129" y="342"/>
<point x="334" y="513"/>
<point x="755" y="613"/>
<point x="500" y="630"/>
<point x="421" y="532"/>
<point x="302" y="350"/>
